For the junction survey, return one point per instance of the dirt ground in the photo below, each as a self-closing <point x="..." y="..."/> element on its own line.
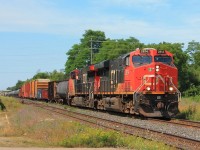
<point x="11" y="141"/>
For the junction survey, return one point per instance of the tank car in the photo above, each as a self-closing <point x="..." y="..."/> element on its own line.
<point x="57" y="91"/>
<point x="13" y="93"/>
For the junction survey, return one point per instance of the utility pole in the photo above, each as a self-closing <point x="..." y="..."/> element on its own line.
<point x="91" y="50"/>
<point x="94" y="45"/>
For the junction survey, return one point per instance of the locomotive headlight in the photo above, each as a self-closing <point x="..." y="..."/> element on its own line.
<point x="171" y="88"/>
<point x="157" y="68"/>
<point x="148" y="88"/>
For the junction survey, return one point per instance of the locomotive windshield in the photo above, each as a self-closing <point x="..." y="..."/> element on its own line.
<point x="141" y="60"/>
<point x="163" y="59"/>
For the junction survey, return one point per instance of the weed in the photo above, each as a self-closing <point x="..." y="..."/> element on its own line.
<point x="189" y="109"/>
<point x="11" y="104"/>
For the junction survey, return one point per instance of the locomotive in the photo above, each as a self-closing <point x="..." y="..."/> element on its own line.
<point x="142" y="82"/>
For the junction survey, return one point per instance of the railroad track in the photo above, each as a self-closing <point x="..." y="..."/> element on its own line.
<point x="179" y="122"/>
<point x="169" y="139"/>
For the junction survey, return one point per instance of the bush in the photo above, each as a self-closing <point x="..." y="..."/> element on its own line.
<point x="192" y="91"/>
<point x="89" y="137"/>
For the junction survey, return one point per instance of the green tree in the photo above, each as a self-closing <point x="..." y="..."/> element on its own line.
<point x="41" y="75"/>
<point x="53" y="76"/>
<point x="193" y="51"/>
<point x="17" y="86"/>
<point x="80" y="54"/>
<point x="112" y="49"/>
<point x="57" y="76"/>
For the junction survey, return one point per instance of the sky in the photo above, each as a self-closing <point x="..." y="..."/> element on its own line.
<point x="36" y="34"/>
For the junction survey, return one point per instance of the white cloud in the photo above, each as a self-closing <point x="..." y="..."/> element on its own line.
<point x="42" y="17"/>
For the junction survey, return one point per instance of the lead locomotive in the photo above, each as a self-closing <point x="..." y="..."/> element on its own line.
<point x="141" y="82"/>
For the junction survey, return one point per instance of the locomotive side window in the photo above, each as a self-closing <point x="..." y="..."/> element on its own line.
<point x="141" y="60"/>
<point x="163" y="59"/>
<point x="127" y="61"/>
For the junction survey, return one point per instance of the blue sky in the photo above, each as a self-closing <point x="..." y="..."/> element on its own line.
<point x="36" y="34"/>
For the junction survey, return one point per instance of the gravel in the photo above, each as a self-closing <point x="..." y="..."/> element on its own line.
<point x="182" y="131"/>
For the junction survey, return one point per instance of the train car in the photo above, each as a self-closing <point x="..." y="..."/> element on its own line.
<point x="35" y="89"/>
<point x="13" y="93"/>
<point x="27" y="90"/>
<point x="32" y="89"/>
<point x="57" y="91"/>
<point x="52" y="96"/>
<point x="22" y="91"/>
<point x="41" y="88"/>
<point x="141" y="82"/>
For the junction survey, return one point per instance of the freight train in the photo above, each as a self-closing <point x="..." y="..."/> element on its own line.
<point x="142" y="82"/>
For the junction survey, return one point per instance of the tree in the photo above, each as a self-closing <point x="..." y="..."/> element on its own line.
<point x="57" y="76"/>
<point x="194" y="52"/>
<point x="41" y="75"/>
<point x="80" y="54"/>
<point x="17" y="86"/>
<point x="112" y="49"/>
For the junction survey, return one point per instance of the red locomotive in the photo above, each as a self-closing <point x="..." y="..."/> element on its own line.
<point x="141" y="82"/>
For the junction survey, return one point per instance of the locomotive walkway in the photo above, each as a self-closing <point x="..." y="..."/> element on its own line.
<point x="170" y="139"/>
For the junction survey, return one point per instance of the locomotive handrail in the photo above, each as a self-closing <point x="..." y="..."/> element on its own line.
<point x="91" y="93"/>
<point x="178" y="92"/>
<point x="159" y="76"/>
<point x="136" y="91"/>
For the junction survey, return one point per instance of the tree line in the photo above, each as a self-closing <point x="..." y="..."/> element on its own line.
<point x="53" y="76"/>
<point x="187" y="61"/>
<point x="102" y="48"/>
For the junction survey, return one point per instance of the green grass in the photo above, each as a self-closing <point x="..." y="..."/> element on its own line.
<point x="95" y="138"/>
<point x="190" y="108"/>
<point x="194" y="99"/>
<point x="11" y="104"/>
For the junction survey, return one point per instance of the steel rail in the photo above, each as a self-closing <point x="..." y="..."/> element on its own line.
<point x="179" y="122"/>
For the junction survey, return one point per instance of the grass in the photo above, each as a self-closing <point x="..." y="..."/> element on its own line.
<point x="61" y="133"/>
<point x="49" y="130"/>
<point x="190" y="108"/>
<point x="95" y="138"/>
<point x="10" y="103"/>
